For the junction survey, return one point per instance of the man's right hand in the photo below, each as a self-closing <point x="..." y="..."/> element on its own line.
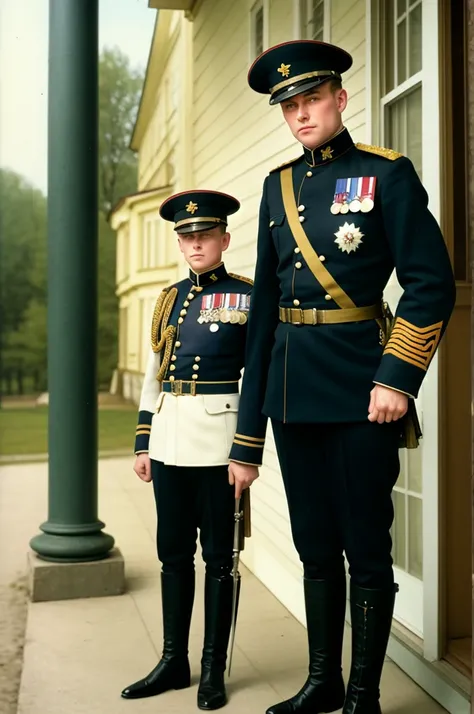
<point x="241" y="476"/>
<point x="143" y="467"/>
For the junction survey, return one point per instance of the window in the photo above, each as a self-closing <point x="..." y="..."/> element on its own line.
<point x="401" y="79"/>
<point x="312" y="19"/>
<point x="153" y="247"/>
<point x="258" y="28"/>
<point x="401" y="93"/>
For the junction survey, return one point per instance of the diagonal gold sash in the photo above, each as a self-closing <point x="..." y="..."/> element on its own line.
<point x="320" y="272"/>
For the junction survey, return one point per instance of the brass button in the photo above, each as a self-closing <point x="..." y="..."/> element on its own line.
<point x="322" y="258"/>
<point x="227" y="406"/>
<point x="174" y="358"/>
<point x="195" y="376"/>
<point x="297" y="250"/>
<point x="327" y="297"/>
<point x="183" y="312"/>
<point x="172" y="377"/>
<point x="197" y="359"/>
<point x="296" y="303"/>
<point x="195" y="367"/>
<point x="309" y="174"/>
<point x="298" y="265"/>
<point x="186" y="303"/>
<point x="301" y="219"/>
<point x="178" y="344"/>
<point x="272" y="223"/>
<point x="190" y="296"/>
<point x="180" y="320"/>
<point x="301" y="208"/>
<point x="172" y="367"/>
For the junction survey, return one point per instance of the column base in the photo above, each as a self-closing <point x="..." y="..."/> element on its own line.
<point x="72" y="544"/>
<point x="49" y="581"/>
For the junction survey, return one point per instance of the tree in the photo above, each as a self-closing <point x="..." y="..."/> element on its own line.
<point x="22" y="279"/>
<point x="119" y="96"/>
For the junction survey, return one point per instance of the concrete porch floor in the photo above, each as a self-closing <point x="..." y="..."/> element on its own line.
<point x="80" y="654"/>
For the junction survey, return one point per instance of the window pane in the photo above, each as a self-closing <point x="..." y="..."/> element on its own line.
<point x="415" y="479"/>
<point x="414" y="146"/>
<point x="316" y="25"/>
<point x="401" y="7"/>
<point x="402" y="52"/>
<point x="259" y="31"/>
<point x="415" y="40"/>
<point x="404" y="127"/>
<point x="415" y="537"/>
<point x="398" y="530"/>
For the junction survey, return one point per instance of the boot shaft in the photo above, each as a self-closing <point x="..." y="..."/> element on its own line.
<point x="217" y="620"/>
<point x="177" y="598"/>
<point x="371" y="614"/>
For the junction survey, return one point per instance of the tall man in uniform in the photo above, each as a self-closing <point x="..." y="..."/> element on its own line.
<point x="186" y="423"/>
<point x="323" y="364"/>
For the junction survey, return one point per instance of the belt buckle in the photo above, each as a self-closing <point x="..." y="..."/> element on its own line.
<point x="177" y="387"/>
<point x="295" y="322"/>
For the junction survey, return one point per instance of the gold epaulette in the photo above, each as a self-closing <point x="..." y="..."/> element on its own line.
<point x="241" y="277"/>
<point x="380" y="151"/>
<point x="287" y="163"/>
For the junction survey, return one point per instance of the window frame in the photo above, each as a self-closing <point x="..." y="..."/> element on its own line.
<point x="254" y="8"/>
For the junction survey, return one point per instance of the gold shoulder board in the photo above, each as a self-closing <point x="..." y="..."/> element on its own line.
<point x="241" y="277"/>
<point x="287" y="163"/>
<point x="380" y="151"/>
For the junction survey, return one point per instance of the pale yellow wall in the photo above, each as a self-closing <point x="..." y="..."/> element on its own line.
<point x="237" y="138"/>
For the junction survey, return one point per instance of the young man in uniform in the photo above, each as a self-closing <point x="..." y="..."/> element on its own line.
<point x="186" y="423"/>
<point x="322" y="364"/>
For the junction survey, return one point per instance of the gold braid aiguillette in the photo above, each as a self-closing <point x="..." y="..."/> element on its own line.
<point x="162" y="334"/>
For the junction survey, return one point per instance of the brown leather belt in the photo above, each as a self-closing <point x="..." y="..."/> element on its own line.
<point x="313" y="316"/>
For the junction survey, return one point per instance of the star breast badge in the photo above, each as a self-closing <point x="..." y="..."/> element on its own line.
<point x="348" y="238"/>
<point x="192" y="207"/>
<point x="284" y="69"/>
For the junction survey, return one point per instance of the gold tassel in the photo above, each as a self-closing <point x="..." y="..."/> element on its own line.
<point x="411" y="429"/>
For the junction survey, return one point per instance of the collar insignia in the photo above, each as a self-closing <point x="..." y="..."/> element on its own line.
<point x="327" y="153"/>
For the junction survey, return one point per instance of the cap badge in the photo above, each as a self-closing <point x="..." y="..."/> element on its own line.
<point x="284" y="70"/>
<point x="192" y="207"/>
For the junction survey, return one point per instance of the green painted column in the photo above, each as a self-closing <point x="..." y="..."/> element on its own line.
<point x="72" y="532"/>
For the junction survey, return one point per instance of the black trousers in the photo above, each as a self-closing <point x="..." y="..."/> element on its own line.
<point x="188" y="499"/>
<point x="338" y="480"/>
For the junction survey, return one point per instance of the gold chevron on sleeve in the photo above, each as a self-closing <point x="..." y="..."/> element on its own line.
<point x="412" y="344"/>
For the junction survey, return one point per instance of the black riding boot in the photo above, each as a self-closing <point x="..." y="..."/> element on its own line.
<point x="172" y="671"/>
<point x="371" y="614"/>
<point x="323" y="691"/>
<point x="218" y="620"/>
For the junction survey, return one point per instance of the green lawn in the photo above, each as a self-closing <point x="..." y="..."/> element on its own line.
<point x="25" y="431"/>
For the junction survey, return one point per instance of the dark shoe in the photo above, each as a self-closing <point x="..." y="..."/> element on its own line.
<point x="218" y="619"/>
<point x="371" y="614"/>
<point x="172" y="671"/>
<point x="323" y="691"/>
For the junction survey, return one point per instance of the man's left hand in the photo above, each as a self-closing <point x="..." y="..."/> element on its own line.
<point x="387" y="404"/>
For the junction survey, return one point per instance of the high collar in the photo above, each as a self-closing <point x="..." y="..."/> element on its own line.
<point x="209" y="277"/>
<point x="330" y="150"/>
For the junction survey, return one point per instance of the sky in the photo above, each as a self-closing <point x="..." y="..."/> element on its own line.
<point x="127" y="24"/>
